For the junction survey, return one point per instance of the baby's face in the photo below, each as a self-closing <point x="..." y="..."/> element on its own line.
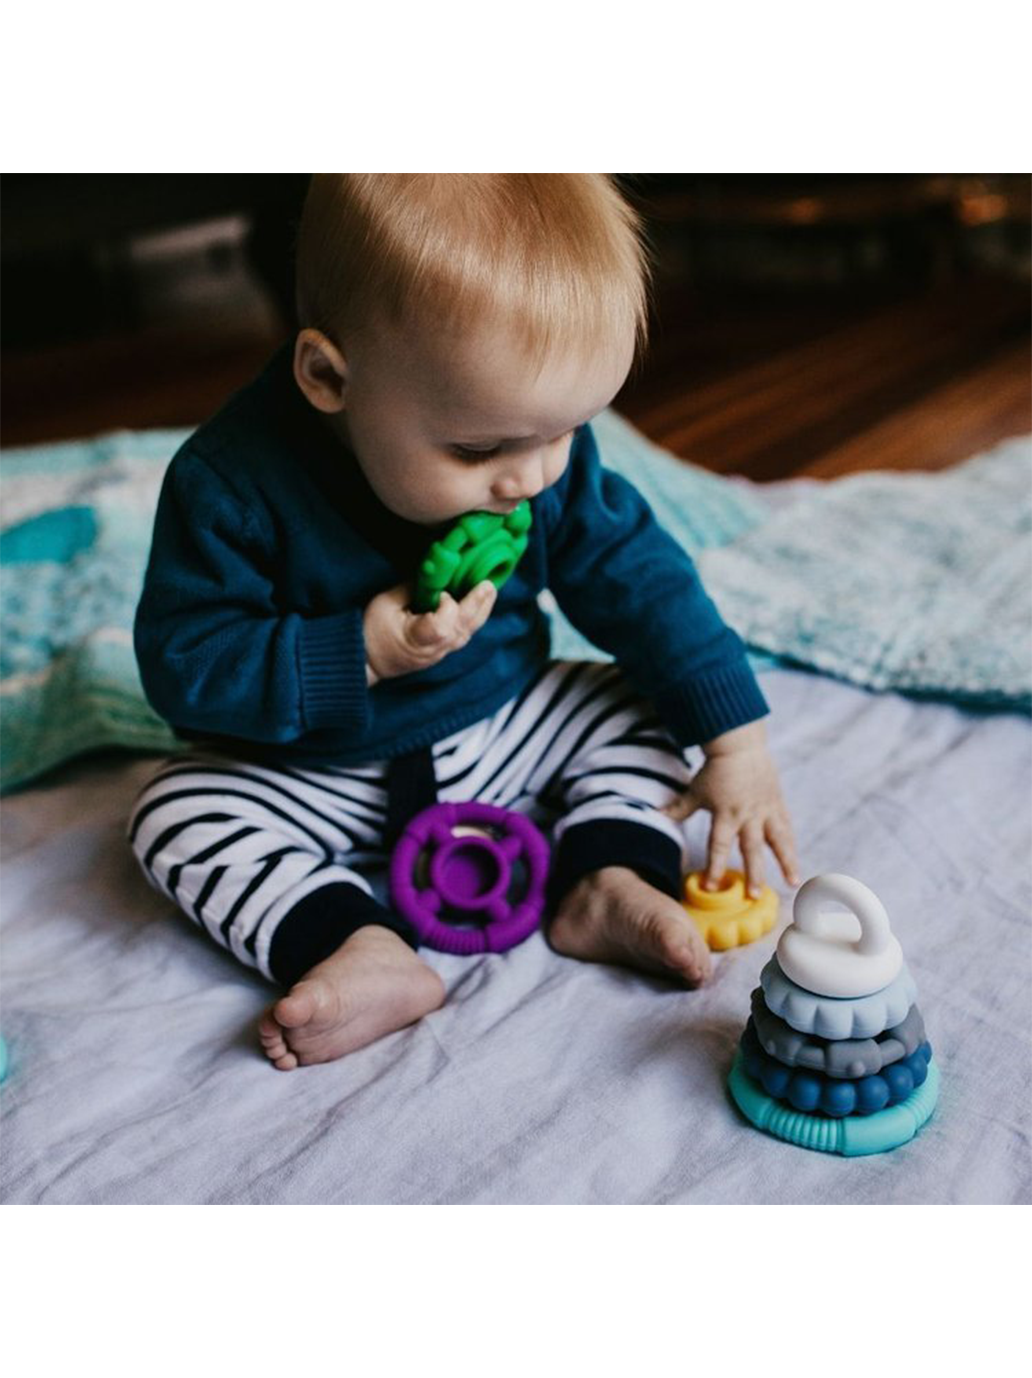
<point x="440" y="429"/>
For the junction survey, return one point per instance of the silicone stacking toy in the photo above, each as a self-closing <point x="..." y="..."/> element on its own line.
<point x="846" y="1057"/>
<point x="821" y="952"/>
<point x="834" y="1057"/>
<point x="852" y="1135"/>
<point x="3" y="1059"/>
<point x="866" y="1016"/>
<point x="834" y="1095"/>
<point x="727" y="917"/>
<point x="470" y="864"/>
<point x="481" y="545"/>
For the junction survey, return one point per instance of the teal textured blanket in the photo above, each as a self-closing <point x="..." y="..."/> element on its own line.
<point x="75" y="532"/>
<point x="74" y="538"/>
<point x="916" y="582"/>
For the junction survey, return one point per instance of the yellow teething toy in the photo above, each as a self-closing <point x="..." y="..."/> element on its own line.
<point x="728" y="917"/>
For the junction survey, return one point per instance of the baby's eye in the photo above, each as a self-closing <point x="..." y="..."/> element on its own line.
<point x="474" y="456"/>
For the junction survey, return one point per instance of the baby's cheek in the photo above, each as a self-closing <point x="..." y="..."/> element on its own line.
<point x="455" y="498"/>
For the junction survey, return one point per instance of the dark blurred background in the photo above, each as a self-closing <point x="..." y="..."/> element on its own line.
<point x="803" y="324"/>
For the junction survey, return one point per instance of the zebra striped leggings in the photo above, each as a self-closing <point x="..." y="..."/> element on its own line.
<point x="275" y="863"/>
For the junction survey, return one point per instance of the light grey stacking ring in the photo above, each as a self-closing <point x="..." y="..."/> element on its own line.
<point x="837" y="1017"/>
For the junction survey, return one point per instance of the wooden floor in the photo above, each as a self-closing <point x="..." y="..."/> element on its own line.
<point x="769" y="390"/>
<point x="828" y="389"/>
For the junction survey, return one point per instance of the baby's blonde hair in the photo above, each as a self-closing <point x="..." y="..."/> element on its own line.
<point x="561" y="257"/>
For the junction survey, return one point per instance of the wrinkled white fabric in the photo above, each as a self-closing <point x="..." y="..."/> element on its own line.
<point x="136" y="1076"/>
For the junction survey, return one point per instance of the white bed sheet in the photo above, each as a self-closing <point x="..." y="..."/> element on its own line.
<point x="136" y="1076"/>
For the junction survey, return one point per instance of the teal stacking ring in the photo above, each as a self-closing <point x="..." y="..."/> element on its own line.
<point x="853" y="1135"/>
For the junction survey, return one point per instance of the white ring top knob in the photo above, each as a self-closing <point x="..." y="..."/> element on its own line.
<point x="821" y="952"/>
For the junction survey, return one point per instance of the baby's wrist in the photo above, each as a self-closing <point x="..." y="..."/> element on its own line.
<point x="376" y="651"/>
<point x="385" y="662"/>
<point x="750" y="736"/>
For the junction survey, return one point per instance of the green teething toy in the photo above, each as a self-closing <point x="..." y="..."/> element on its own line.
<point x="481" y="545"/>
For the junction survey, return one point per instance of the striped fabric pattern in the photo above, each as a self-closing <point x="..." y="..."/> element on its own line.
<point x="237" y="846"/>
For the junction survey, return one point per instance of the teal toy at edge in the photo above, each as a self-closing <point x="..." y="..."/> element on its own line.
<point x="481" y="545"/>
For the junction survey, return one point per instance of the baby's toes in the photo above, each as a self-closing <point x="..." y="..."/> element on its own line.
<point x="271" y="1034"/>
<point x="274" y="1044"/>
<point x="684" y="950"/>
<point x="297" y="1008"/>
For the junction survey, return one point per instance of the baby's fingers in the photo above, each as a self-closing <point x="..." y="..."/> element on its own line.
<point x="475" y="608"/>
<point x="722" y="835"/>
<point x="452" y="624"/>
<point x="750" y="844"/>
<point x="782" y="844"/>
<point x="436" y="630"/>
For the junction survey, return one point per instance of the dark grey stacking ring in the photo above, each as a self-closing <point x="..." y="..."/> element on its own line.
<point x="847" y="1057"/>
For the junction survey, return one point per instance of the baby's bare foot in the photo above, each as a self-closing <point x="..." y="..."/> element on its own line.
<point x="373" y="984"/>
<point x="612" y="915"/>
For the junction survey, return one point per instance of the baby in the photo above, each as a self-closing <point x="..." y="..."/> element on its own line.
<point x="458" y="334"/>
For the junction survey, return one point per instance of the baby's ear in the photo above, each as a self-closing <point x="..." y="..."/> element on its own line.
<point x="320" y="371"/>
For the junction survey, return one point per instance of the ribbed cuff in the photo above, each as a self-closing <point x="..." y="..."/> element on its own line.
<point x="586" y="847"/>
<point x="319" y="923"/>
<point x="708" y="705"/>
<point x="331" y="655"/>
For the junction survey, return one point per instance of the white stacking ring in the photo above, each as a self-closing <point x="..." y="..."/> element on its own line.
<point x="821" y="951"/>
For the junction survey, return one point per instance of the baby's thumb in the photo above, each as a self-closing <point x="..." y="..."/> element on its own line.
<point x="683" y="808"/>
<point x="431" y="628"/>
<point x="478" y="604"/>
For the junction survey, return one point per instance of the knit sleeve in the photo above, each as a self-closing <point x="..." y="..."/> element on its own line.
<point x="627" y="585"/>
<point x="217" y="652"/>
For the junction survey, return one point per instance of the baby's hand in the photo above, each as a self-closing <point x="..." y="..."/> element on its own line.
<point x="399" y="641"/>
<point x="739" y="786"/>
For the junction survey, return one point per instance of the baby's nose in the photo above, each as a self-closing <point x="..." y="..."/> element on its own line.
<point x="513" y="492"/>
<point x="520" y="484"/>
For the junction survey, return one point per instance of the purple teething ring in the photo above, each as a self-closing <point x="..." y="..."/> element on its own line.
<point x="470" y="876"/>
